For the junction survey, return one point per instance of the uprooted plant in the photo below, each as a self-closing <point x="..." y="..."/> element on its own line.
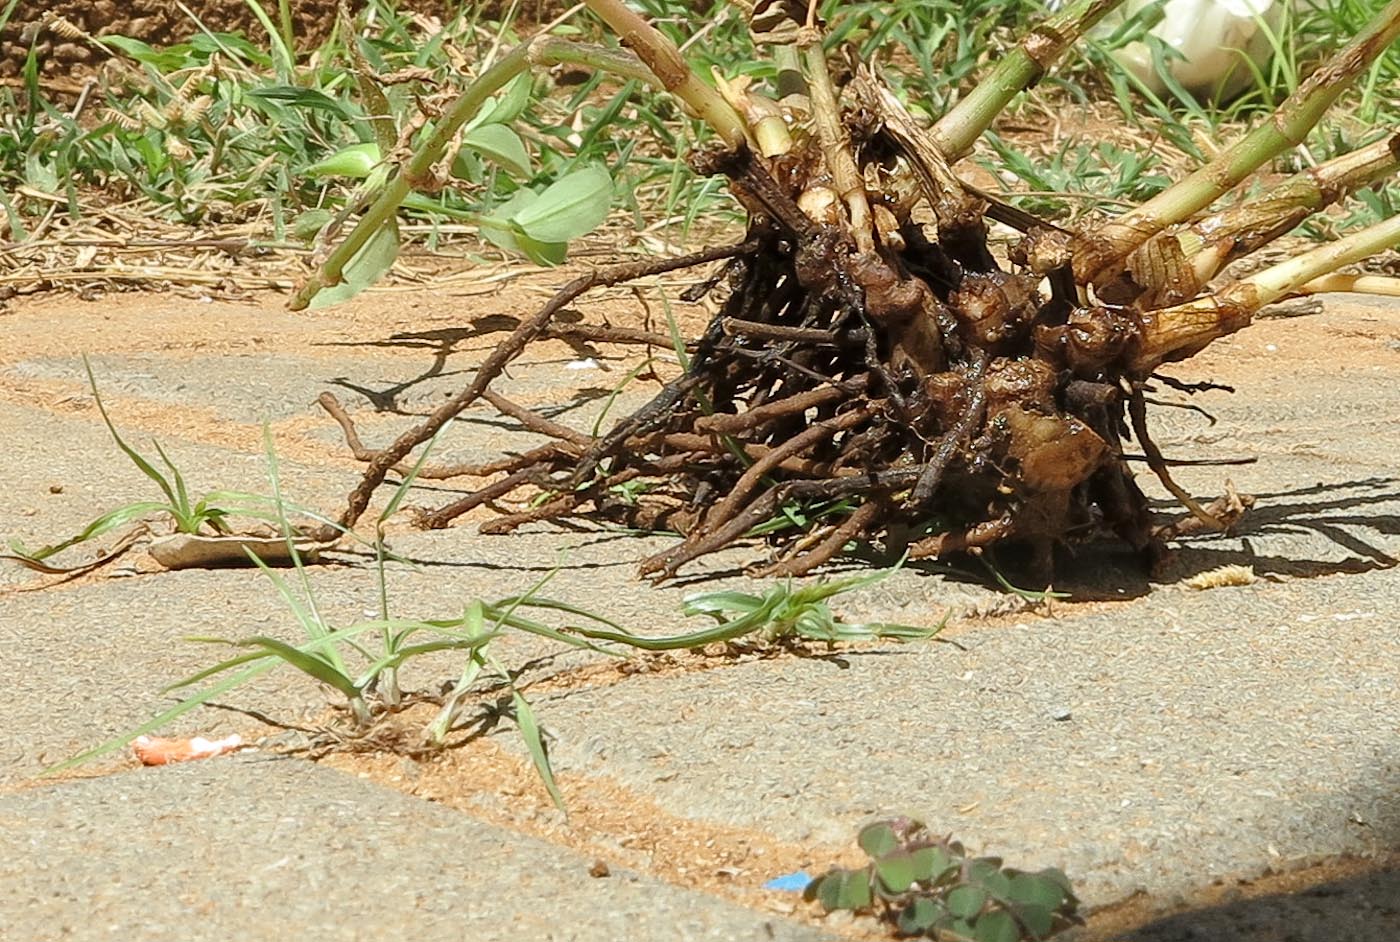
<point x="873" y="361"/>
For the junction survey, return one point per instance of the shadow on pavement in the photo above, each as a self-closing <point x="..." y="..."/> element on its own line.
<point x="1360" y="908"/>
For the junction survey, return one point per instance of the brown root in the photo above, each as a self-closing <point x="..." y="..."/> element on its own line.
<point x="875" y="394"/>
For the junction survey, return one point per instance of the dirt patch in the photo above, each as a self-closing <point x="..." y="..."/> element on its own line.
<point x="625" y="832"/>
<point x="153" y="21"/>
<point x="620" y="829"/>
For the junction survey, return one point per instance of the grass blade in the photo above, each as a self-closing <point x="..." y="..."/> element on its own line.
<point x="137" y="458"/>
<point x="534" y="743"/>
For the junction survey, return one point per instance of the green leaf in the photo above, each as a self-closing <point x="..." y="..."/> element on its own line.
<point x="530" y="731"/>
<point x="356" y="161"/>
<point x="569" y="207"/>
<point x="146" y="467"/>
<point x="966" y="901"/>
<point x="159" y="720"/>
<point x="896" y="871"/>
<point x="997" y="926"/>
<point x="547" y="254"/>
<point x="513" y="102"/>
<point x="844" y="889"/>
<point x="365" y="268"/>
<point x="931" y="864"/>
<point x="1057" y="876"/>
<point x="719" y="603"/>
<point x="877" y="839"/>
<point x="106" y="523"/>
<point x="162" y="60"/>
<point x="306" y="225"/>
<point x="1035" y="889"/>
<point x="300" y="98"/>
<point x="960" y="928"/>
<point x="501" y="145"/>
<point x="919" y="916"/>
<point x="1038" y="920"/>
<point x="987" y="873"/>
<point x="308" y="664"/>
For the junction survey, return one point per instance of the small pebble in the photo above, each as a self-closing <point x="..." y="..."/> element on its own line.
<point x="599" y="869"/>
<point x="55" y="488"/>
<point x="1061" y="715"/>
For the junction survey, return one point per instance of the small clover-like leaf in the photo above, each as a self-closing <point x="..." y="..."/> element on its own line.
<point x="997" y="926"/>
<point x="840" y="889"/>
<point x="919" y="916"/>
<point x="878" y="839"/>
<point x="1034" y="889"/>
<point x="966" y="901"/>
<point x="896" y="871"/>
<point x="1037" y="919"/>
<point x="931" y="864"/>
<point x="812" y="891"/>
<point x="986" y="872"/>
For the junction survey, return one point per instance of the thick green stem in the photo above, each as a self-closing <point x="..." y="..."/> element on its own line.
<point x="386" y="205"/>
<point x="1100" y="254"/>
<point x="664" y="59"/>
<point x="542" y="50"/>
<point x="1178" y="332"/>
<point x="1022" y="68"/>
<point x="1214" y="241"/>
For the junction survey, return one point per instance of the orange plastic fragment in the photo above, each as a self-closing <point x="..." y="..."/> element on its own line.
<point x="153" y="750"/>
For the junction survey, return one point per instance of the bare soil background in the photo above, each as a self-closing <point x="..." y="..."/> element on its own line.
<point x="159" y="22"/>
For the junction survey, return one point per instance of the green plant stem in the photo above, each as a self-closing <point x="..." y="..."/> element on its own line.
<point x="386" y="205"/>
<point x="665" y="60"/>
<point x="1100" y="254"/>
<point x="1178" y="332"/>
<point x="1022" y="68"/>
<point x="835" y="142"/>
<point x="1217" y="239"/>
<point x="543" y="50"/>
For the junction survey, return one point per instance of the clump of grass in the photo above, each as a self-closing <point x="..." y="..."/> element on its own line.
<point x="345" y="659"/>
<point x="209" y="514"/>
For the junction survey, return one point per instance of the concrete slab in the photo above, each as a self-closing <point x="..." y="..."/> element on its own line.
<point x="269" y="849"/>
<point x="1150" y="737"/>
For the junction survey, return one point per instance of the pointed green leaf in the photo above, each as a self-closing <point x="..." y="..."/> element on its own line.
<point x="159" y="720"/>
<point x="530" y="731"/>
<point x="146" y="467"/>
<point x="501" y="145"/>
<point x="299" y="97"/>
<point x="308" y="664"/>
<point x="571" y="206"/>
<point x="512" y="102"/>
<point x="368" y="265"/>
<point x="355" y="161"/>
